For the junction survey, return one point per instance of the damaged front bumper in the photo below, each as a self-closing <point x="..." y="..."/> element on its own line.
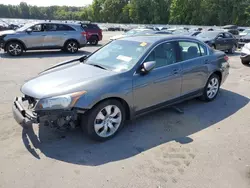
<point x="23" y="115"/>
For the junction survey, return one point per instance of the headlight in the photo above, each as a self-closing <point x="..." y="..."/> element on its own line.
<point x="59" y="102"/>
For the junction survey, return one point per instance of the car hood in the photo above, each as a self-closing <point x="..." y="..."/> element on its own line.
<point x="63" y="80"/>
<point x="7" y="32"/>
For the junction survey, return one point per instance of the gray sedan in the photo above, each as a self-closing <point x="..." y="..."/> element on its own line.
<point x="124" y="79"/>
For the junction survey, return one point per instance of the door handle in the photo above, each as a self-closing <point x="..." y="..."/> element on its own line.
<point x="176" y="71"/>
<point x="206" y="61"/>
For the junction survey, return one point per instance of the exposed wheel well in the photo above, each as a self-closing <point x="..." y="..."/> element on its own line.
<point x="71" y="40"/>
<point x="122" y="101"/>
<point x="218" y="73"/>
<point x="14" y="40"/>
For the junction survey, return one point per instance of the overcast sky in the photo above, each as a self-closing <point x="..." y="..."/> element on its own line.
<point x="78" y="3"/>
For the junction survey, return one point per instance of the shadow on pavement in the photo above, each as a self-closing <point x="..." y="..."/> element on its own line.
<point x="138" y="136"/>
<point x="45" y="54"/>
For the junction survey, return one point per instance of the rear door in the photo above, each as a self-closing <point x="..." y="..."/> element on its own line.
<point x="194" y="62"/>
<point x="230" y="40"/>
<point x="53" y="37"/>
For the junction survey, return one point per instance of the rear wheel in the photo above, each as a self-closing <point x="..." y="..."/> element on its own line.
<point x="94" y="40"/>
<point x="104" y="120"/>
<point x="211" y="89"/>
<point x="71" y="46"/>
<point x="14" y="48"/>
<point x="245" y="62"/>
<point x="233" y="49"/>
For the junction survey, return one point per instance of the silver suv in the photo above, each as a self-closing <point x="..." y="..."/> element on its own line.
<point x="44" y="35"/>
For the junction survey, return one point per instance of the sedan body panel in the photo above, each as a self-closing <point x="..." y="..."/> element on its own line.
<point x="171" y="82"/>
<point x="159" y="86"/>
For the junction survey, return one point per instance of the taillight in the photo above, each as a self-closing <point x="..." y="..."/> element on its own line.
<point x="84" y="34"/>
<point x="226" y="58"/>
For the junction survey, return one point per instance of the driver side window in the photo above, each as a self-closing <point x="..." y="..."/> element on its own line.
<point x="37" y="28"/>
<point x="163" y="55"/>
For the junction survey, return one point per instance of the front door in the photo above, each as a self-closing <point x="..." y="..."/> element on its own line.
<point x="194" y="65"/>
<point x="163" y="83"/>
<point x="220" y="42"/>
<point x="35" y="39"/>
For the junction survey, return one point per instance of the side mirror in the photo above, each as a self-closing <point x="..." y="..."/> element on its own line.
<point x="147" y="67"/>
<point x="29" y="30"/>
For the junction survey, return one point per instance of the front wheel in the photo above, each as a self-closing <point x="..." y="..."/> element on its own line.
<point x="245" y="62"/>
<point x="211" y="89"/>
<point x="104" y="120"/>
<point x="14" y="48"/>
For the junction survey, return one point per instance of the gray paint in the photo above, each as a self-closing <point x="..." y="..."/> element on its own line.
<point x="137" y="90"/>
<point x="46" y="39"/>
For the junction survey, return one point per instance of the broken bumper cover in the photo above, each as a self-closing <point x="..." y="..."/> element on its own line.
<point x="22" y="115"/>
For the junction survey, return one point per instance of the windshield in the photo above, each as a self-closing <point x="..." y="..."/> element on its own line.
<point x="26" y="26"/>
<point x="246" y="31"/>
<point x="208" y="34"/>
<point x="119" y="55"/>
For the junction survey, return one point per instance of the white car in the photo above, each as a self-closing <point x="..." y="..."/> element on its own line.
<point x="130" y="33"/>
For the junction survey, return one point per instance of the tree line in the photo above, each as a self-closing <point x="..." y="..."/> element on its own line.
<point x="195" y="12"/>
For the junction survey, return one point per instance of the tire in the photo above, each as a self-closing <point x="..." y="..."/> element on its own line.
<point x="14" y="48"/>
<point x="71" y="46"/>
<point x="101" y="127"/>
<point x="233" y="49"/>
<point x="245" y="62"/>
<point x="94" y="40"/>
<point x="211" y="89"/>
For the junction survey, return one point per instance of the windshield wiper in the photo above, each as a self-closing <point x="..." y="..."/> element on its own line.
<point x="97" y="65"/>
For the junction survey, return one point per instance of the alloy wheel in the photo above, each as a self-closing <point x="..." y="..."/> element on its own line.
<point x="15" y="49"/>
<point x="72" y="47"/>
<point x="108" y="121"/>
<point x="212" y="88"/>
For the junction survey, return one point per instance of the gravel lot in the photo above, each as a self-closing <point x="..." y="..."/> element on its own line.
<point x="207" y="146"/>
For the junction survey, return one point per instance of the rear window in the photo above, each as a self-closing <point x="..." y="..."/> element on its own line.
<point x="234" y="32"/>
<point x="63" y="27"/>
<point x="90" y="26"/>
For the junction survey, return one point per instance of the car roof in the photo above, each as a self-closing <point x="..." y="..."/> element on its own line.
<point x="156" y="38"/>
<point x="55" y="22"/>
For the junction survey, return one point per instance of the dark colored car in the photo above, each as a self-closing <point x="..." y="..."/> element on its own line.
<point x="94" y="33"/>
<point x="219" y="40"/>
<point x="244" y="39"/>
<point x="192" y="34"/>
<point x="122" y="80"/>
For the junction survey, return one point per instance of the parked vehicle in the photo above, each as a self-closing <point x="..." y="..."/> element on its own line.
<point x="132" y="32"/>
<point x="93" y="33"/>
<point x="192" y="34"/>
<point x="245" y="54"/>
<point x="245" y="32"/>
<point x="124" y="79"/>
<point x="244" y="39"/>
<point x="219" y="40"/>
<point x="44" y="35"/>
